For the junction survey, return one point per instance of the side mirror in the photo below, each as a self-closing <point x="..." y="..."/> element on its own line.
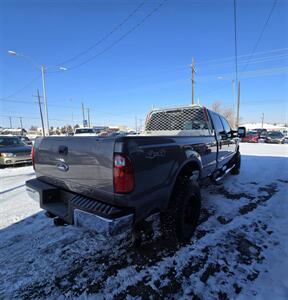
<point x="241" y="132"/>
<point x="223" y="135"/>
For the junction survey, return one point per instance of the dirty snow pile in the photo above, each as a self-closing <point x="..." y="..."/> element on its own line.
<point x="239" y="251"/>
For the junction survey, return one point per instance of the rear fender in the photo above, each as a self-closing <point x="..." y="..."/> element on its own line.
<point x="192" y="162"/>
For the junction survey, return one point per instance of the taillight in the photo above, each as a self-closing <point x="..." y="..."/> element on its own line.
<point x="33" y="157"/>
<point x="123" y="174"/>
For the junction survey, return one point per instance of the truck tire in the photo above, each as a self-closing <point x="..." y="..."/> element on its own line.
<point x="180" y="220"/>
<point x="237" y="162"/>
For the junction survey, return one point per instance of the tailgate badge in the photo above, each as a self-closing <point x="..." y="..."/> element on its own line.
<point x="62" y="166"/>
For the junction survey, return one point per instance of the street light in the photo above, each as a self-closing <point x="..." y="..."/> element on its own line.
<point x="233" y="95"/>
<point x="42" y="69"/>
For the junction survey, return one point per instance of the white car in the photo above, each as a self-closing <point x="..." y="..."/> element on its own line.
<point x="85" y="132"/>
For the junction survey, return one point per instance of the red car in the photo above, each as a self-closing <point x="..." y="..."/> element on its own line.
<point x="251" y="137"/>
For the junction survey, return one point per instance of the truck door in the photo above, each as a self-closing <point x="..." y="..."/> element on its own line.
<point x="230" y="142"/>
<point x="222" y="139"/>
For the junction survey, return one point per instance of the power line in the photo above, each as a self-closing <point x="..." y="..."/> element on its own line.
<point x="106" y="36"/>
<point x="16" y="116"/>
<point x="64" y="106"/>
<point x="21" y="89"/>
<point x="252" y="61"/>
<point x="241" y="56"/>
<point x="261" y="34"/>
<point x="249" y="74"/>
<point x="122" y="37"/>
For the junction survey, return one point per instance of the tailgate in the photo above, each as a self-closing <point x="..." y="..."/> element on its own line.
<point x="81" y="164"/>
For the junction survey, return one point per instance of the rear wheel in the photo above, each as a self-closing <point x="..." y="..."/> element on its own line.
<point x="237" y="163"/>
<point x="180" y="220"/>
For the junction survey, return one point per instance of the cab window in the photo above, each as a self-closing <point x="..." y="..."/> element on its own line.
<point x="216" y="122"/>
<point x="226" y="126"/>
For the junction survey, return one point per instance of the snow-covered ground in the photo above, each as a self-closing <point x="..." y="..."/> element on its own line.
<point x="240" y="249"/>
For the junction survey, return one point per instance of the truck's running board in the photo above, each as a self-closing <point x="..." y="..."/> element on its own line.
<point x="224" y="173"/>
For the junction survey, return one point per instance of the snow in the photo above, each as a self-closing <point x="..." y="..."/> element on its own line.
<point x="268" y="126"/>
<point x="239" y="251"/>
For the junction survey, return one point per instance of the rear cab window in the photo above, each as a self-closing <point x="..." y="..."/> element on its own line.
<point x="179" y="121"/>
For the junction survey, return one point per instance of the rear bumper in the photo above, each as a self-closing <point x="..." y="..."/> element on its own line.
<point x="104" y="226"/>
<point x="79" y="210"/>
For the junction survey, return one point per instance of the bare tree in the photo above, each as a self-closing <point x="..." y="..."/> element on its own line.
<point x="216" y="106"/>
<point x="33" y="128"/>
<point x="227" y="112"/>
<point x="229" y="115"/>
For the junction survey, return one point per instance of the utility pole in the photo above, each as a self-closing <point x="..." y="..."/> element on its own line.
<point x="193" y="78"/>
<point x="20" y="118"/>
<point x="73" y="120"/>
<point x="88" y="115"/>
<point x="233" y="106"/>
<point x="72" y="112"/>
<point x="83" y="113"/>
<point x="136" y="126"/>
<point x="262" y="120"/>
<point x="10" y="120"/>
<point x="44" y="96"/>
<point x="238" y="106"/>
<point x="41" y="116"/>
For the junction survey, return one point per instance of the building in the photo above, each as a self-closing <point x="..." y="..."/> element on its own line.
<point x="13" y="131"/>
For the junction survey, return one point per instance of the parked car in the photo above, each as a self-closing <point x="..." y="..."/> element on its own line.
<point x="261" y="131"/>
<point x="14" y="151"/>
<point x="26" y="140"/>
<point x="111" y="184"/>
<point x="85" y="132"/>
<point x="251" y="137"/>
<point x="255" y="136"/>
<point x="275" y="137"/>
<point x="117" y="133"/>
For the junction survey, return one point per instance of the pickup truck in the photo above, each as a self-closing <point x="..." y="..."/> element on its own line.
<point x="85" y="131"/>
<point x="113" y="184"/>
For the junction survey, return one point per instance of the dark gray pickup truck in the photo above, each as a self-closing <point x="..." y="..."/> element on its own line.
<point x="112" y="184"/>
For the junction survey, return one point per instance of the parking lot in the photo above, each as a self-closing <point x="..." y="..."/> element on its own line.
<point x="238" y="250"/>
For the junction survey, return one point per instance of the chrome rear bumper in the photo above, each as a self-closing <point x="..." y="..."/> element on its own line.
<point x="33" y="194"/>
<point x="104" y="226"/>
<point x="79" y="210"/>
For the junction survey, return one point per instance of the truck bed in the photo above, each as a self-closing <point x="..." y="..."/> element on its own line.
<point x="84" y="165"/>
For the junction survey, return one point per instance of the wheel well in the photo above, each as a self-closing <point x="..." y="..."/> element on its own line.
<point x="188" y="169"/>
<point x="184" y="174"/>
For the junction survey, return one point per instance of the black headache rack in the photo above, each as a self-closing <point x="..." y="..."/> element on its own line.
<point x="63" y="203"/>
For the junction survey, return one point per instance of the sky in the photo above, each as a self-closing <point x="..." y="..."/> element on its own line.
<point x="124" y="57"/>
